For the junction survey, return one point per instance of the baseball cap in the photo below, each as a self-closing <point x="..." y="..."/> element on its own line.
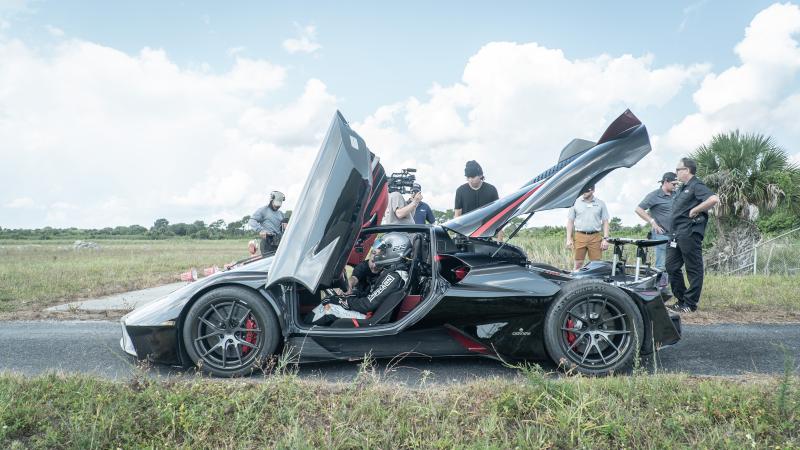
<point x="587" y="188"/>
<point x="668" y="176"/>
<point x="416" y="187"/>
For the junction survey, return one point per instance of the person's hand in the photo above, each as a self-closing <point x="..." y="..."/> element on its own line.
<point x="656" y="228"/>
<point x="569" y="242"/>
<point x="693" y="213"/>
<point x="604" y="244"/>
<point x="327" y="307"/>
<point x="417" y="198"/>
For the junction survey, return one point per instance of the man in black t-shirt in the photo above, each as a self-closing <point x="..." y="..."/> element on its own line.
<point x="363" y="275"/>
<point x="689" y="219"/>
<point x="475" y="192"/>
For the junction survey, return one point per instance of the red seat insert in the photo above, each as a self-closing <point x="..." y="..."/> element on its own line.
<point x="409" y="302"/>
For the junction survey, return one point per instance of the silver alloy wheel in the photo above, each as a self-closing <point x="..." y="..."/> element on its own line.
<point x="227" y="335"/>
<point x="595" y="332"/>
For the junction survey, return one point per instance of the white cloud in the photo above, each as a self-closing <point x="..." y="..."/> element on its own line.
<point x="689" y="12"/>
<point x="757" y="95"/>
<point x="108" y="138"/>
<point x="54" y="31"/>
<point x="21" y="202"/>
<point x="306" y="42"/>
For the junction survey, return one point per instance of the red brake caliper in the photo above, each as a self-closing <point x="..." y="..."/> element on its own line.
<point x="570" y="335"/>
<point x="250" y="336"/>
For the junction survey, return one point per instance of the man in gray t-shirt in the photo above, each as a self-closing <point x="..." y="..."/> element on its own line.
<point x="269" y="223"/>
<point x="399" y="211"/>
<point x="656" y="209"/>
<point x="587" y="219"/>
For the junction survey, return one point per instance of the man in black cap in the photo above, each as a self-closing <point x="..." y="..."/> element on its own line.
<point x="475" y="192"/>
<point x="656" y="209"/>
<point x="423" y="213"/>
<point x="689" y="219"/>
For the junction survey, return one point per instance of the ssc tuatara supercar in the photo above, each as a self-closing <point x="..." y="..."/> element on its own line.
<point x="466" y="294"/>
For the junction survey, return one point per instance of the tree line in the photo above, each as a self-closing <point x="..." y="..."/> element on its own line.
<point x="756" y="180"/>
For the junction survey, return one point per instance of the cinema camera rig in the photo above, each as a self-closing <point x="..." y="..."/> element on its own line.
<point x="403" y="181"/>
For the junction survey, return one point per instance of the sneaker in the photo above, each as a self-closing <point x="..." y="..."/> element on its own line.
<point x="681" y="308"/>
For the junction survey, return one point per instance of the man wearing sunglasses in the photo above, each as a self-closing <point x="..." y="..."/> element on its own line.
<point x="688" y="227"/>
<point x="656" y="209"/>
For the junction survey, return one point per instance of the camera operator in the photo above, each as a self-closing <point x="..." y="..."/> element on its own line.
<point x="401" y="211"/>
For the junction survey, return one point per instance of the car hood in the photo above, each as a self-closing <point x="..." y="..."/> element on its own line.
<point x="329" y="211"/>
<point x="580" y="163"/>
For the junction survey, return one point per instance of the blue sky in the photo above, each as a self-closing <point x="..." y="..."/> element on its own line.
<point x="415" y="78"/>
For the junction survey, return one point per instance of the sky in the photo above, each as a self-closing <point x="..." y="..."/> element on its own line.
<point x="120" y="113"/>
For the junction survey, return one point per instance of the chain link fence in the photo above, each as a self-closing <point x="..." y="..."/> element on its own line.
<point x="779" y="255"/>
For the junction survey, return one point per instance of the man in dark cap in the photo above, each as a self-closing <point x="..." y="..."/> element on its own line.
<point x="588" y="219"/>
<point x="423" y="213"/>
<point x="475" y="192"/>
<point x="656" y="209"/>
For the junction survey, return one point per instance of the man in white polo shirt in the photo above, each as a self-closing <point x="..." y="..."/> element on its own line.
<point x="586" y="220"/>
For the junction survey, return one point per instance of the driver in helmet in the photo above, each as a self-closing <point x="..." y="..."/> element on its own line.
<point x="390" y="255"/>
<point x="269" y="223"/>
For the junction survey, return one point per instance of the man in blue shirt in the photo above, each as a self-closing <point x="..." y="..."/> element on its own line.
<point x="424" y="212"/>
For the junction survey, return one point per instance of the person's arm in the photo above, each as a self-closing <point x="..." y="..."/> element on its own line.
<point x="429" y="216"/>
<point x="459" y="204"/>
<point x="386" y="286"/>
<point x="255" y="223"/>
<point x="407" y="210"/>
<point x="705" y="206"/>
<point x="570" y="230"/>
<point x="604" y="243"/>
<point x="647" y="218"/>
<point x="353" y="281"/>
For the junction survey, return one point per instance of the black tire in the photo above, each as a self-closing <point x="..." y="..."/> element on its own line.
<point x="230" y="331"/>
<point x="593" y="328"/>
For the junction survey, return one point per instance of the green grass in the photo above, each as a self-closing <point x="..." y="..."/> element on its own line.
<point x="751" y="293"/>
<point x="640" y="411"/>
<point x="39" y="274"/>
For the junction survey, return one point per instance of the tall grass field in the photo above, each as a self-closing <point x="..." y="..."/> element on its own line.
<point x="38" y="274"/>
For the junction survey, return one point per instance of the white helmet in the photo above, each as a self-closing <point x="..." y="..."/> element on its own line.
<point x="391" y="248"/>
<point x="276" y="198"/>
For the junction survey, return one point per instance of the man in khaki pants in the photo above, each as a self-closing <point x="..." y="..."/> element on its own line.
<point x="585" y="220"/>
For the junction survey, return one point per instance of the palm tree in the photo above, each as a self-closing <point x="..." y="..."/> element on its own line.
<point x="749" y="173"/>
<point x="752" y="176"/>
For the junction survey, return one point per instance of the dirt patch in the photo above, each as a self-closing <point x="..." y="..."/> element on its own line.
<point x="62" y="315"/>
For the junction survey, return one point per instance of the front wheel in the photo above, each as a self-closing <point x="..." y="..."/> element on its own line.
<point x="593" y="328"/>
<point x="229" y="331"/>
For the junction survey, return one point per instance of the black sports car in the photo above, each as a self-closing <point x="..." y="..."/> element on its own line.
<point x="466" y="294"/>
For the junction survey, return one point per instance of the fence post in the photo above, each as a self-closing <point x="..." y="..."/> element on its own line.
<point x="755" y="258"/>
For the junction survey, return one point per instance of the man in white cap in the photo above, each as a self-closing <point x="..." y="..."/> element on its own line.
<point x="269" y="223"/>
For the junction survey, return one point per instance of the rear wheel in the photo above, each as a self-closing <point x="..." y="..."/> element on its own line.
<point x="229" y="331"/>
<point x="594" y="328"/>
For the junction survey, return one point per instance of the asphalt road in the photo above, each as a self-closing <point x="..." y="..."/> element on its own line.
<point x="93" y="347"/>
